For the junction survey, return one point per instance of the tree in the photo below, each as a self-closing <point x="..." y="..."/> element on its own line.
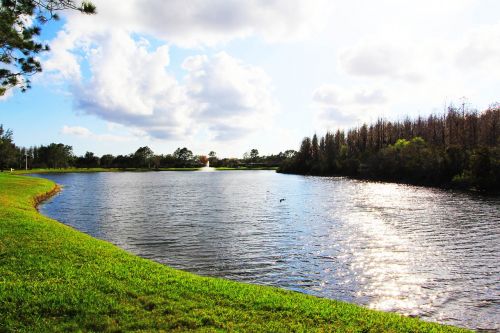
<point x="123" y="161"/>
<point x="303" y="157"/>
<point x="143" y="156"/>
<point x="461" y="147"/>
<point x="7" y="149"/>
<point x="55" y="155"/>
<point x="290" y="153"/>
<point x="315" y="148"/>
<point x="89" y="160"/>
<point x="107" y="160"/>
<point x="183" y="156"/>
<point x="156" y="161"/>
<point x="212" y="158"/>
<point x="254" y="154"/>
<point x="18" y="45"/>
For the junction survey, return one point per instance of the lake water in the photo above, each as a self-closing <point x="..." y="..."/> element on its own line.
<point x="417" y="251"/>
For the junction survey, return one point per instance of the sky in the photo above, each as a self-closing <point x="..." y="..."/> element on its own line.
<point x="228" y="76"/>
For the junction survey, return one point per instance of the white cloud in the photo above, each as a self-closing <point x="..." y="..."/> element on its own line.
<point x="76" y="130"/>
<point x="366" y="96"/>
<point x="337" y="107"/>
<point x="195" y="23"/>
<point x="115" y="73"/>
<point x="382" y="60"/>
<point x="84" y="132"/>
<point x="129" y="84"/>
<point x="329" y="94"/>
<point x="63" y="64"/>
<point x="199" y="22"/>
<point x="480" y="49"/>
<point x="232" y="98"/>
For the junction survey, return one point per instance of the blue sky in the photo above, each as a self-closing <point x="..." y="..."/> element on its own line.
<point x="234" y="75"/>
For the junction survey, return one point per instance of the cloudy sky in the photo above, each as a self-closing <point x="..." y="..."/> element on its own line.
<point x="234" y="75"/>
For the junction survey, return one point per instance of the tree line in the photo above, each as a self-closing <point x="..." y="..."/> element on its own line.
<point x="459" y="148"/>
<point x="59" y="155"/>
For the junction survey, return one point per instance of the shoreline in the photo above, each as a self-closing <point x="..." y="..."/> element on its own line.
<point x="446" y="187"/>
<point x="358" y="178"/>
<point x="94" y="170"/>
<point x="88" y="282"/>
<point x="39" y="199"/>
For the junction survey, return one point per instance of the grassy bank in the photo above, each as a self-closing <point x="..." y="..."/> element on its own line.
<point x="72" y="170"/>
<point x="246" y="168"/>
<point x="63" y="170"/>
<point x="53" y="278"/>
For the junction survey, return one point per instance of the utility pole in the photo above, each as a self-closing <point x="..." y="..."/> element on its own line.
<point x="26" y="161"/>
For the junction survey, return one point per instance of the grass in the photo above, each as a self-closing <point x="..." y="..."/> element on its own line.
<point x="67" y="170"/>
<point x="178" y="169"/>
<point x="63" y="170"/>
<point x="56" y="279"/>
<point x="247" y="168"/>
<point x="72" y="170"/>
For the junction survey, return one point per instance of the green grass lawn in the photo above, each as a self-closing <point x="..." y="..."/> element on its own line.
<point x="67" y="170"/>
<point x="59" y="170"/>
<point x="56" y="279"/>
<point x="247" y="168"/>
<point x="178" y="169"/>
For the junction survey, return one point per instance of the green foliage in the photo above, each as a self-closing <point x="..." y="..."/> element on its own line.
<point x="241" y="168"/>
<point x="460" y="149"/>
<point x="106" y="161"/>
<point x="483" y="170"/>
<point x="60" y="156"/>
<point x="8" y="150"/>
<point x="56" y="279"/>
<point x="401" y="143"/>
<point x="89" y="160"/>
<point x="407" y="160"/>
<point x="18" y="38"/>
<point x="254" y="154"/>
<point x="143" y="157"/>
<point x="184" y="156"/>
<point x="55" y="155"/>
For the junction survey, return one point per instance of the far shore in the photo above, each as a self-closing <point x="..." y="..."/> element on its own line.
<point x="85" y="170"/>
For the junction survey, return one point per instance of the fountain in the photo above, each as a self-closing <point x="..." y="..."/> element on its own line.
<point x="207" y="168"/>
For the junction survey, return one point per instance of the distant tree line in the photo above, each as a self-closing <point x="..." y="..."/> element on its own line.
<point x="251" y="159"/>
<point x="58" y="155"/>
<point x="459" y="148"/>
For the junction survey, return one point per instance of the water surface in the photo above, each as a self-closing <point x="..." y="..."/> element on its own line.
<point x="417" y="251"/>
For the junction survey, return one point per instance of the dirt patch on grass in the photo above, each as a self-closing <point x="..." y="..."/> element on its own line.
<point x="44" y="196"/>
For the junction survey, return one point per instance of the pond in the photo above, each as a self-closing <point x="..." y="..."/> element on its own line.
<point x="413" y="250"/>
